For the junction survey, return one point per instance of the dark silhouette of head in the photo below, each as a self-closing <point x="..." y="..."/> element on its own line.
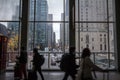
<point x="35" y="50"/>
<point x="86" y="53"/>
<point x="72" y="49"/>
<point x="22" y="48"/>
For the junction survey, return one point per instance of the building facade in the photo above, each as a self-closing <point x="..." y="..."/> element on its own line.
<point x="38" y="30"/>
<point x="94" y="31"/>
<point x="92" y="25"/>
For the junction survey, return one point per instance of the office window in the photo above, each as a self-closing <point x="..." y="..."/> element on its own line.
<point x="81" y="39"/>
<point x="99" y="18"/>
<point x="100" y="39"/>
<point x="100" y="46"/>
<point x="105" y="47"/>
<point x="87" y="46"/>
<point x="92" y="47"/>
<point x="92" y="39"/>
<point x="49" y="21"/>
<point x="49" y="27"/>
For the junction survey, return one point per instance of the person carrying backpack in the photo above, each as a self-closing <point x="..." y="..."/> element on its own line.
<point x="38" y="61"/>
<point x="68" y="64"/>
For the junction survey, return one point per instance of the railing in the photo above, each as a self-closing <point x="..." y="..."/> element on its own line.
<point x="104" y="60"/>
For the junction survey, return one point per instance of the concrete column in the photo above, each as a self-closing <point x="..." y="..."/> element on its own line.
<point x="71" y="23"/>
<point x="24" y="23"/>
<point x="117" y="9"/>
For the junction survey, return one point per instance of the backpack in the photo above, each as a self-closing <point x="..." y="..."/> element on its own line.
<point x="41" y="60"/>
<point x="64" y="62"/>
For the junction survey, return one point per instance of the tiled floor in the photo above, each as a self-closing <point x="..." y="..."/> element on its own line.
<point x="59" y="75"/>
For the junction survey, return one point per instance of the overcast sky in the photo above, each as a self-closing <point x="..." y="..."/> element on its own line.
<point x="7" y="9"/>
<point x="55" y="7"/>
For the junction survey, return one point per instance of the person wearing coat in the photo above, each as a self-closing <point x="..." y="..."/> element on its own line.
<point x="87" y="66"/>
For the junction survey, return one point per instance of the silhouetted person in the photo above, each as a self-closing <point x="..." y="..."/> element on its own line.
<point x="71" y="66"/>
<point x="36" y="65"/>
<point x="23" y="63"/>
<point x="86" y="66"/>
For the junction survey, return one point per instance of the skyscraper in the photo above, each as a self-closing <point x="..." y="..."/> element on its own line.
<point x="62" y="32"/>
<point x="64" y="28"/>
<point x="38" y="13"/>
<point x="90" y="32"/>
<point x="50" y="32"/>
<point x="14" y="26"/>
<point x="38" y="29"/>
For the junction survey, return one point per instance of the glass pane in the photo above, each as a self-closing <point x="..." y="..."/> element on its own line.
<point x="66" y="12"/>
<point x="42" y="35"/>
<point x="111" y="10"/>
<point x="96" y="37"/>
<point x="46" y="56"/>
<point x="51" y="59"/>
<point x="94" y="10"/>
<point x="54" y="57"/>
<point x="64" y="37"/>
<point x="13" y="42"/>
<point x="111" y="44"/>
<point x="9" y="9"/>
<point x="51" y="39"/>
<point x="46" y="37"/>
<point x="93" y="34"/>
<point x="102" y="60"/>
<point x="48" y="10"/>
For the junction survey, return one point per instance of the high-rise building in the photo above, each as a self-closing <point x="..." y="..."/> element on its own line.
<point x="92" y="31"/>
<point x="39" y="33"/>
<point x="54" y="40"/>
<point x="14" y="26"/>
<point x="50" y="31"/>
<point x="64" y="28"/>
<point x="62" y="33"/>
<point x="38" y="12"/>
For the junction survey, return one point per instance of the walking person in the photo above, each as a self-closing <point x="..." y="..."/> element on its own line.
<point x="69" y="66"/>
<point x="86" y="66"/>
<point x="37" y="62"/>
<point x="23" y="63"/>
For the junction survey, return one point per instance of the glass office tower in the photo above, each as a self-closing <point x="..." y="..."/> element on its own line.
<point x="37" y="30"/>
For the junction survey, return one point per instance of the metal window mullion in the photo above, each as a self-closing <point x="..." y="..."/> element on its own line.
<point x="64" y="26"/>
<point x="79" y="29"/>
<point x="19" y="41"/>
<point x="108" y="32"/>
<point x="8" y="21"/>
<point x="115" y="37"/>
<point x="19" y="29"/>
<point x="61" y="21"/>
<point x="34" y="23"/>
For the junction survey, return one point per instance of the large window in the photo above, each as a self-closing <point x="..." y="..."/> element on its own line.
<point x="95" y="18"/>
<point x="10" y="11"/>
<point x="48" y="29"/>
